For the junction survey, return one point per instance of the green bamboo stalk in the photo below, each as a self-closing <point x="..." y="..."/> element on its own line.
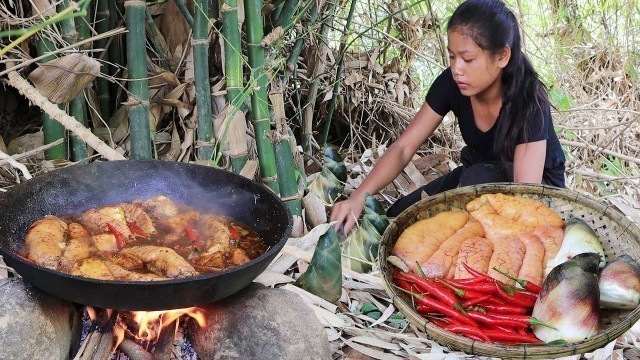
<point x="292" y="59"/>
<point x="102" y="85"/>
<point x="77" y="107"/>
<point x="233" y="68"/>
<point x="185" y="12"/>
<point x="287" y="11"/>
<point x="116" y="48"/>
<point x="153" y="37"/>
<point x="287" y="177"/>
<point x="259" y="102"/>
<point x="138" y="84"/>
<point x="308" y="111"/>
<point x="285" y="166"/>
<point x="53" y="130"/>
<point x="201" y="73"/>
<point x="336" y="85"/>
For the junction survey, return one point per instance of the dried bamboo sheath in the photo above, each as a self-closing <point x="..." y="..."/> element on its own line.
<point x="235" y="125"/>
<point x="617" y="234"/>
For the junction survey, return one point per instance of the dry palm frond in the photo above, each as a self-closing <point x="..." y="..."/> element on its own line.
<point x="62" y="79"/>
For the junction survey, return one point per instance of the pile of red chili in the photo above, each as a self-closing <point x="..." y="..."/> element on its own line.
<point x="480" y="308"/>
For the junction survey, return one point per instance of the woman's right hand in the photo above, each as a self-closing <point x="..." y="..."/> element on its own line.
<point x="345" y="213"/>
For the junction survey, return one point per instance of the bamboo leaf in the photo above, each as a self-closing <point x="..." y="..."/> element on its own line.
<point x="324" y="275"/>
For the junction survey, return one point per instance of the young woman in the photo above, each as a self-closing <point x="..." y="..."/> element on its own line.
<point x="502" y="109"/>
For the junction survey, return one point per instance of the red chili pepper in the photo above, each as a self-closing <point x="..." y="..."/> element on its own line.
<point x="527" y="285"/>
<point x="441" y="308"/>
<point x="511" y="337"/>
<point x="482" y="286"/>
<point x="193" y="236"/>
<point x="439" y="322"/>
<point x="491" y="320"/>
<point x="466" y="281"/>
<point x="476" y="273"/>
<point x="465" y="294"/>
<point x="119" y="238"/>
<point x="524" y="320"/>
<point x="519" y="298"/>
<point x="476" y="301"/>
<point x="234" y="232"/>
<point x="468" y="330"/>
<point x="505" y="309"/>
<point x="134" y="229"/>
<point x="405" y="285"/>
<point x="442" y="293"/>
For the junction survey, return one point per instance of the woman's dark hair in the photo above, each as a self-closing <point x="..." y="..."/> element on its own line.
<point x="492" y="26"/>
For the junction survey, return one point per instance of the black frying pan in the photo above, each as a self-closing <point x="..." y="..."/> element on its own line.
<point x="80" y="187"/>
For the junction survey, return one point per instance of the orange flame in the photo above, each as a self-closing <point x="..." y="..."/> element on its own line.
<point x="91" y="312"/>
<point x="118" y="333"/>
<point x="152" y="322"/>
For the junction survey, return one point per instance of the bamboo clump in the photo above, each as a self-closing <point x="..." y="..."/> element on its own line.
<point x="201" y="73"/>
<point x="138" y="85"/>
<point x="235" y="125"/>
<point x="259" y="99"/>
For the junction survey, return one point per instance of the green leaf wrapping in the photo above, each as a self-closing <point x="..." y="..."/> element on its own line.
<point x="330" y="183"/>
<point x="360" y="249"/>
<point x="324" y="275"/>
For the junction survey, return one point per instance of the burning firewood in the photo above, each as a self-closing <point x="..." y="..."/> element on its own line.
<point x="134" y="351"/>
<point x="98" y="345"/>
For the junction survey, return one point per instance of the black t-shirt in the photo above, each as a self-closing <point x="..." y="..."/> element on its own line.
<point x="444" y="96"/>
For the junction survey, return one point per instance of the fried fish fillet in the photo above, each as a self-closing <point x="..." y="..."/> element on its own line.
<point x="532" y="268"/>
<point x="440" y="263"/>
<point x="551" y="238"/>
<point x="530" y="213"/>
<point x="45" y="241"/>
<point x="419" y="241"/>
<point x="215" y="233"/>
<point x="134" y="213"/>
<point x="475" y="252"/>
<point x="159" y="207"/>
<point x="96" y="221"/>
<point x="78" y="246"/>
<point x="97" y="268"/>
<point x="494" y="225"/>
<point x="508" y="255"/>
<point x="162" y="261"/>
<point x="92" y="267"/>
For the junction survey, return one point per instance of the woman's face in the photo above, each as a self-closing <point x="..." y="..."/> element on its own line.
<point x="474" y="70"/>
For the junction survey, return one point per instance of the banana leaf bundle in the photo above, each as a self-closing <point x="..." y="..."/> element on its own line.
<point x="329" y="185"/>
<point x="360" y="249"/>
<point x="324" y="274"/>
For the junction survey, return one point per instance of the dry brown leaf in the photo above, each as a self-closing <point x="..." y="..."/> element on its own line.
<point x="314" y="210"/>
<point x="174" y="150"/>
<point x="62" y="79"/>
<point x="25" y="143"/>
<point x="174" y="27"/>
<point x="43" y="8"/>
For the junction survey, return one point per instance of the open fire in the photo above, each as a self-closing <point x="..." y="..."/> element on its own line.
<point x="136" y="334"/>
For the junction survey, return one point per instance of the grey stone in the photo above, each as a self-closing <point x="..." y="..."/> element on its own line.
<point x="260" y="323"/>
<point x="35" y="325"/>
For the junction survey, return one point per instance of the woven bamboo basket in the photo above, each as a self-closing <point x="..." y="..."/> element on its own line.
<point x="617" y="234"/>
